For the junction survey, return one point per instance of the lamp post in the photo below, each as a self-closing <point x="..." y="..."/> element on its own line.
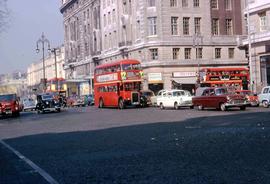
<point x="249" y="48"/>
<point x="43" y="40"/>
<point x="54" y="50"/>
<point x="197" y="42"/>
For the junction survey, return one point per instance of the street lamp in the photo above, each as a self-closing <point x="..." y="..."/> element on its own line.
<point x="197" y="42"/>
<point x="54" y="50"/>
<point x="43" y="40"/>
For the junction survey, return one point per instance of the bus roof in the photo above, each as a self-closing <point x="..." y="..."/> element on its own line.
<point x="124" y="61"/>
<point x="225" y="69"/>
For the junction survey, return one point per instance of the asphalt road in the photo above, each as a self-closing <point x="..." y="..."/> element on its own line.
<point x="90" y="145"/>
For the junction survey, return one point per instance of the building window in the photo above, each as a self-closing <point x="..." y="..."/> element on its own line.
<point x="113" y="16"/>
<point x="263" y="21"/>
<point x="197" y="24"/>
<point x="198" y="53"/>
<point x="153" y="54"/>
<point x="231" y="53"/>
<point x="228" y="26"/>
<point x="215" y="27"/>
<point x="174" y="25"/>
<point x="104" y="20"/>
<point x="152" y="26"/>
<point x="186" y="25"/>
<point x="228" y="5"/>
<point x="173" y="3"/>
<point x="214" y="4"/>
<point x="109" y="18"/>
<point x="176" y="53"/>
<point x="196" y="3"/>
<point x="151" y="3"/>
<point x="184" y="3"/>
<point x="187" y="53"/>
<point x="217" y="53"/>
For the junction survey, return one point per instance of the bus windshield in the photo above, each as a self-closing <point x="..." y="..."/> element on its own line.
<point x="131" y="67"/>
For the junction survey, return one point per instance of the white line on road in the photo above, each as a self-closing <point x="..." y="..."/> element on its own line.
<point x="43" y="173"/>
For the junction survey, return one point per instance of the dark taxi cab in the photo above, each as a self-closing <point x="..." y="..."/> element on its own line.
<point x="219" y="98"/>
<point x="46" y="102"/>
<point x="9" y="105"/>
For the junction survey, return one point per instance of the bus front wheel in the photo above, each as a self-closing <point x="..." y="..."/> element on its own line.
<point x="121" y="104"/>
<point x="101" y="104"/>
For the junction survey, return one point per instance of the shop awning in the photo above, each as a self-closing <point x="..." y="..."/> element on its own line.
<point x="185" y="80"/>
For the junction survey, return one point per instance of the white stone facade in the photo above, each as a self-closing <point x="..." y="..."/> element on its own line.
<point x="35" y="70"/>
<point x="138" y="29"/>
<point x="259" y="13"/>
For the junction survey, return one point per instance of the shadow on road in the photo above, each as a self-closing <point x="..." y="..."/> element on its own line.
<point x="218" y="149"/>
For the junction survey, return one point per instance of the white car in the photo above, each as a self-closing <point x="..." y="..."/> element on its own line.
<point x="175" y="98"/>
<point x="154" y="98"/>
<point x="264" y="97"/>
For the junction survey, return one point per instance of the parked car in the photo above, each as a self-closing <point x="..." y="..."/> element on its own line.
<point x="75" y="101"/>
<point x="252" y="98"/>
<point x="148" y="94"/>
<point x="29" y="104"/>
<point x="218" y="98"/>
<point x="264" y="96"/>
<point x="174" y="98"/>
<point x="10" y="105"/>
<point x="47" y="103"/>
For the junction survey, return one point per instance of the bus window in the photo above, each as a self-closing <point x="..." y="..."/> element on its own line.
<point x="127" y="67"/>
<point x="136" y="66"/>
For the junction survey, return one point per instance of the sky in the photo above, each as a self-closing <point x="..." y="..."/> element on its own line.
<point x="28" y="19"/>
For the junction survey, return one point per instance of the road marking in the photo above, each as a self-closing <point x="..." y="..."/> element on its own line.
<point x="43" y="173"/>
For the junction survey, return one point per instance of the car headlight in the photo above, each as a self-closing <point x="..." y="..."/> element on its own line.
<point x="228" y="98"/>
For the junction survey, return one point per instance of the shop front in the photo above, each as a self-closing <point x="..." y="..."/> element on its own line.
<point x="155" y="82"/>
<point x="184" y="80"/>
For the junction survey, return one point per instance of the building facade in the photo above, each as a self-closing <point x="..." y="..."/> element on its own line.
<point x="173" y="39"/>
<point x="259" y="40"/>
<point x="35" y="70"/>
<point x="15" y="82"/>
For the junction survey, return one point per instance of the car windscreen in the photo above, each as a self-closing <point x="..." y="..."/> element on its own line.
<point x="7" y="97"/>
<point x="47" y="97"/>
<point x="178" y="93"/>
<point x="146" y="93"/>
<point x="221" y="91"/>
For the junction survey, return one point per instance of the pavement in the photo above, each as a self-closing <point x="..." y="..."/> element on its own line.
<point x="148" y="145"/>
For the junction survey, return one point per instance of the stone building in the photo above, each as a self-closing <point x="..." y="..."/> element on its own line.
<point x="259" y="16"/>
<point x="35" y="70"/>
<point x="173" y="39"/>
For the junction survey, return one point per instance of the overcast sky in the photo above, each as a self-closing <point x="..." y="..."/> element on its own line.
<point x="28" y="19"/>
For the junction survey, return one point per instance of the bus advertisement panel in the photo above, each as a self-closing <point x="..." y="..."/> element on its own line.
<point x="118" y="84"/>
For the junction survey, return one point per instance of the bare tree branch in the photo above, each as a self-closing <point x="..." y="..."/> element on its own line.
<point x="4" y="15"/>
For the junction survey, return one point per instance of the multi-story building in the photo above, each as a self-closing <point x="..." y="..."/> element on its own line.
<point x="14" y="83"/>
<point x="173" y="39"/>
<point x="259" y="40"/>
<point x="35" y="70"/>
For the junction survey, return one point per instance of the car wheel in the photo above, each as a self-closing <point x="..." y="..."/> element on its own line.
<point x="223" y="107"/>
<point x="121" y="104"/>
<point x="200" y="107"/>
<point x="191" y="107"/>
<point x="161" y="106"/>
<point x="243" y="108"/>
<point x="265" y="104"/>
<point x="101" y="104"/>
<point x="175" y="105"/>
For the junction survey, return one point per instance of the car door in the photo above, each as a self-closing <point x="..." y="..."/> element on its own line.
<point x="167" y="97"/>
<point x="264" y="94"/>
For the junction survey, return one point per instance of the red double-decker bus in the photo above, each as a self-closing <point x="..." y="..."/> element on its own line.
<point x="118" y="84"/>
<point x="236" y="77"/>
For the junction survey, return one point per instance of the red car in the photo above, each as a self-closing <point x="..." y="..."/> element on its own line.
<point x="9" y="105"/>
<point x="251" y="97"/>
<point x="218" y="98"/>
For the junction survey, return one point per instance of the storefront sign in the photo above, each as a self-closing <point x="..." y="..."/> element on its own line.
<point x="154" y="77"/>
<point x="184" y="74"/>
<point x="106" y="78"/>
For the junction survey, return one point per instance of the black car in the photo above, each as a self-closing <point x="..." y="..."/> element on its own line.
<point x="47" y="103"/>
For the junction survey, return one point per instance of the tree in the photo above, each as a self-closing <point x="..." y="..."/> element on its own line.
<point x="4" y="14"/>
